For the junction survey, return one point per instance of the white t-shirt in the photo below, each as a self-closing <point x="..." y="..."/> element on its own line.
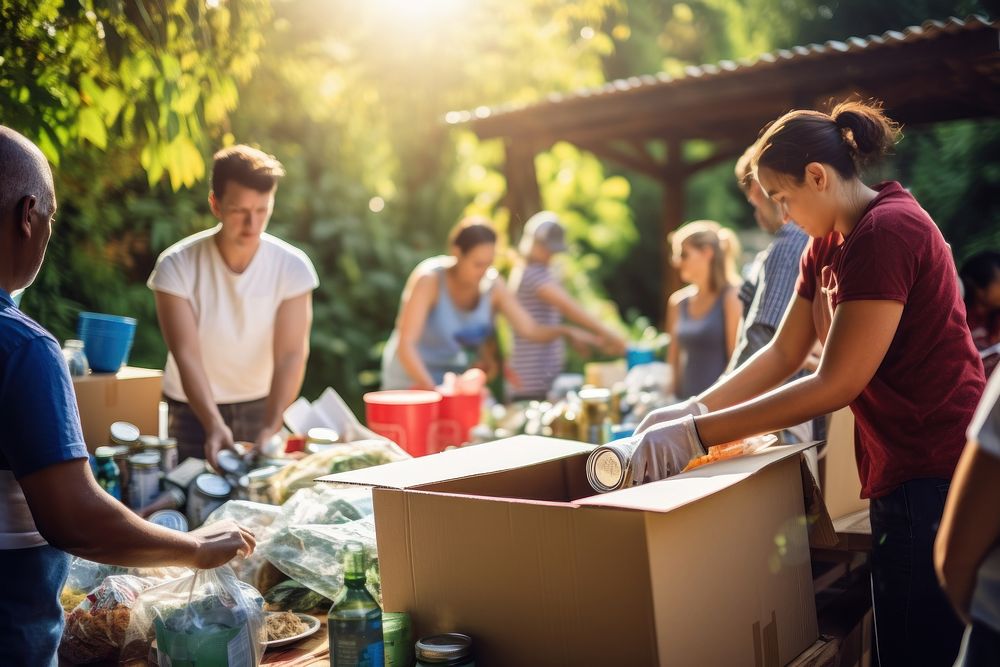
<point x="235" y="311"/>
<point x="985" y="431"/>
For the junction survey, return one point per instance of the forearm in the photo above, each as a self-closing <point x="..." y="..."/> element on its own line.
<point x="779" y="408"/>
<point x="99" y="528"/>
<point x="286" y="382"/>
<point x="764" y="371"/>
<point x="414" y="366"/>
<point x="970" y="527"/>
<point x="198" y="389"/>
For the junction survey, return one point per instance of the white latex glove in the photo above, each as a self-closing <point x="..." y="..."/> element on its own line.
<point x="665" y="449"/>
<point x="671" y="412"/>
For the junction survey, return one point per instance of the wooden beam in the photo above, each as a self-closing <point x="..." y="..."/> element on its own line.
<point x="523" y="198"/>
<point x="644" y="163"/>
<point x="674" y="181"/>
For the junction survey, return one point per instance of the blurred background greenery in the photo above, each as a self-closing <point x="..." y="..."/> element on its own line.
<point x="130" y="98"/>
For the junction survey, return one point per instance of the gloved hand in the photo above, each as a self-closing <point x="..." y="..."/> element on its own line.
<point x="665" y="449"/>
<point x="671" y="412"/>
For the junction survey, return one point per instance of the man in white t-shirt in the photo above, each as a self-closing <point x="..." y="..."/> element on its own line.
<point x="235" y="309"/>
<point x="967" y="550"/>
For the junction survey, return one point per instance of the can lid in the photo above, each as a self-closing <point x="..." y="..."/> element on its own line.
<point x="168" y="442"/>
<point x="169" y="519"/>
<point x="213" y="485"/>
<point x="322" y="436"/>
<point x="124" y="433"/>
<point x="598" y="394"/>
<point x="104" y="452"/>
<point x="608" y="468"/>
<point x="120" y="451"/>
<point x="259" y="474"/>
<point x="231" y="462"/>
<point x="444" y="647"/>
<point x="144" y="460"/>
<point x="149" y="441"/>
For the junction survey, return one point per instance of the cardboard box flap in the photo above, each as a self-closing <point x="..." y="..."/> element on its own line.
<point x="680" y="490"/>
<point x="491" y="457"/>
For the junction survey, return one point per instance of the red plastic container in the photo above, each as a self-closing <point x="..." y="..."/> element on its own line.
<point x="408" y="417"/>
<point x="459" y="413"/>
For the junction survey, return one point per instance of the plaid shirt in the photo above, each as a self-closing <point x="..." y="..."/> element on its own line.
<point x="767" y="291"/>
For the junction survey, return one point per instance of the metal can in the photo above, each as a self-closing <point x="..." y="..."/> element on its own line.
<point x="256" y="486"/>
<point x="453" y="649"/>
<point x="208" y="492"/>
<point x="124" y="433"/>
<point x="610" y="467"/>
<point x="596" y="415"/>
<point x="169" y="519"/>
<point x="144" y="479"/>
<point x="107" y="474"/>
<point x="165" y="447"/>
<point x="396" y="640"/>
<point x="320" y="439"/>
<point x="120" y="454"/>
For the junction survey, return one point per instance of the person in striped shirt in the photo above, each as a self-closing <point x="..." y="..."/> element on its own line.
<point x="534" y="365"/>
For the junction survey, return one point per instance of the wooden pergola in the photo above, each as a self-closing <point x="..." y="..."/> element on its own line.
<point x="939" y="71"/>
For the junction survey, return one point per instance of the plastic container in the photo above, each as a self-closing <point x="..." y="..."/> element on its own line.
<point x="458" y="415"/>
<point x="407" y="417"/>
<point x="76" y="358"/>
<point x="636" y="355"/>
<point x="107" y="340"/>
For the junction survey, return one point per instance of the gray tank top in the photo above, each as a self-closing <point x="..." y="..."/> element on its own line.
<point x="450" y="337"/>
<point x="702" y="343"/>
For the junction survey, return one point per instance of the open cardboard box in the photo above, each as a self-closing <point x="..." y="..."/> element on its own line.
<point x="131" y="394"/>
<point x="506" y="542"/>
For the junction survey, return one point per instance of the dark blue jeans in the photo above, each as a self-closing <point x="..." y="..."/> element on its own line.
<point x="31" y="618"/>
<point x="914" y="624"/>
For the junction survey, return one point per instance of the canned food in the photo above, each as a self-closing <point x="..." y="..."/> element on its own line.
<point x="453" y="649"/>
<point x="231" y="463"/>
<point x="169" y="519"/>
<point x="124" y="433"/>
<point x="207" y="493"/>
<point x="165" y="447"/>
<point x="144" y="479"/>
<point x="120" y="455"/>
<point x="610" y="467"/>
<point x="256" y="486"/>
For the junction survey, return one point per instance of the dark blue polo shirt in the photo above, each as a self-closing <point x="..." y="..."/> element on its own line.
<point x="40" y="427"/>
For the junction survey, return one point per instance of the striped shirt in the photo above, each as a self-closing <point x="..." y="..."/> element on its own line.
<point x="767" y="291"/>
<point x="536" y="364"/>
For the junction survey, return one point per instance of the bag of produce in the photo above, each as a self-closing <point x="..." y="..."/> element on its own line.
<point x="290" y="595"/>
<point x="208" y="618"/>
<point x="340" y="458"/>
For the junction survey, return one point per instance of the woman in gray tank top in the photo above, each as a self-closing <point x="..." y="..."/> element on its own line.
<point x="447" y="312"/>
<point x="703" y="317"/>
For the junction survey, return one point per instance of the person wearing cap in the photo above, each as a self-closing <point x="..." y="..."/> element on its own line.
<point x="50" y="503"/>
<point x="534" y="365"/>
<point x="447" y="311"/>
<point x="235" y="309"/>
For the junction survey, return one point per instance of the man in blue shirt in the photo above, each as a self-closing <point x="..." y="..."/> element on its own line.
<point x="50" y="504"/>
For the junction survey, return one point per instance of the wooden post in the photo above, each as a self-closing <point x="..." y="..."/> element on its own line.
<point x="674" y="180"/>
<point x="523" y="198"/>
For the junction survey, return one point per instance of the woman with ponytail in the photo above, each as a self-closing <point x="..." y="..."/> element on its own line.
<point x="704" y="316"/>
<point x="878" y="287"/>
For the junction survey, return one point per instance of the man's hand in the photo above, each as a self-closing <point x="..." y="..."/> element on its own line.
<point x="582" y="341"/>
<point x="613" y="345"/>
<point x="220" y="542"/>
<point x="671" y="412"/>
<point x="664" y="450"/>
<point x="217" y="439"/>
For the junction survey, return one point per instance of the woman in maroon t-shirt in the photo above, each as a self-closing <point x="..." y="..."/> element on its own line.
<point x="878" y="288"/>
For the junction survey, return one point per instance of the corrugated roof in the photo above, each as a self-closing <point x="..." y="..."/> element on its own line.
<point x="927" y="31"/>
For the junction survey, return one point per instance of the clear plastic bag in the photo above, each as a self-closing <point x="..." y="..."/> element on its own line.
<point x="340" y="458"/>
<point x="95" y="628"/>
<point x="209" y="618"/>
<point x="313" y="554"/>
<point x="258" y="517"/>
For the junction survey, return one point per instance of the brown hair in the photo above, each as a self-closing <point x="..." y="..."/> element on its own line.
<point x="849" y="137"/>
<point x="709" y="234"/>
<point x="744" y="169"/>
<point x="470" y="232"/>
<point x="247" y="166"/>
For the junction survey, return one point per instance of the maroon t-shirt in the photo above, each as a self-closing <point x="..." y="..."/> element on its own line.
<point x="910" y="420"/>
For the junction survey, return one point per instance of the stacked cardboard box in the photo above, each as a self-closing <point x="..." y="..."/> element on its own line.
<point x="131" y="394"/>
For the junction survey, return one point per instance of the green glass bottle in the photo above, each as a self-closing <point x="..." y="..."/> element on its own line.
<point x="355" y="619"/>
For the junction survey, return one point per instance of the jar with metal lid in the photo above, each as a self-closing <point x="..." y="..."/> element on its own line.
<point x="144" y="479"/>
<point x="207" y="492"/>
<point x="452" y="649"/>
<point x="320" y="439"/>
<point x="124" y="433"/>
<point x="256" y="486"/>
<point x="396" y="642"/>
<point x="75" y="357"/>
<point x="596" y="420"/>
<point x="120" y="454"/>
<point x="107" y="474"/>
<point x="165" y="447"/>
